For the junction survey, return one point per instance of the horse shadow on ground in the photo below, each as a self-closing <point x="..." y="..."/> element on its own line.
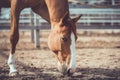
<point x="33" y="73"/>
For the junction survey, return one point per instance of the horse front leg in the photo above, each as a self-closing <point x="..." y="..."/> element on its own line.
<point x="14" y="36"/>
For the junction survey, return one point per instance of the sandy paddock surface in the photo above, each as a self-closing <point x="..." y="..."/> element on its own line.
<point x="98" y="57"/>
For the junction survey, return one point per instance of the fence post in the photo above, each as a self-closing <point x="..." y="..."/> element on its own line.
<point x="32" y="36"/>
<point x="31" y="24"/>
<point x="36" y="37"/>
<point x="36" y="32"/>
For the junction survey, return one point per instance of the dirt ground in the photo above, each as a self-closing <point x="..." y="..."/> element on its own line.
<point x="98" y="57"/>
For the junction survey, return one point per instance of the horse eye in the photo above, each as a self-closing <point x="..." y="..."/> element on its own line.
<point x="64" y="39"/>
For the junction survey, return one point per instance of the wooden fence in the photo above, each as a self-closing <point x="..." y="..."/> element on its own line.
<point x="93" y="18"/>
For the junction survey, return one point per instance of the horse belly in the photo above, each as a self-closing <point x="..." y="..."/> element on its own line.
<point x="4" y="3"/>
<point x="33" y="3"/>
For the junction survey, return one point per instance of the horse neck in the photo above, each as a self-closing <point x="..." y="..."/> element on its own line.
<point x="57" y="9"/>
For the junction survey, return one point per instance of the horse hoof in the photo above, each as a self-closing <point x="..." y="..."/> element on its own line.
<point x="70" y="72"/>
<point x="12" y="74"/>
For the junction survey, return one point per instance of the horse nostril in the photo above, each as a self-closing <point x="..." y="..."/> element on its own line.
<point x="64" y="39"/>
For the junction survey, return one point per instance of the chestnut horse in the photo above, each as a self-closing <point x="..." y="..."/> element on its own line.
<point x="62" y="36"/>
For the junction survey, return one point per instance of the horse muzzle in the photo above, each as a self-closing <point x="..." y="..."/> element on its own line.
<point x="65" y="70"/>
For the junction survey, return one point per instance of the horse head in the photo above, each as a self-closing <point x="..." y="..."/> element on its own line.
<point x="62" y="40"/>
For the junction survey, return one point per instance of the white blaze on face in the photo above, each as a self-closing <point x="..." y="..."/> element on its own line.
<point x="73" y="52"/>
<point x="11" y="63"/>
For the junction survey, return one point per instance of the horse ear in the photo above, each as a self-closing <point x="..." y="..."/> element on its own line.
<point x="76" y="19"/>
<point x="65" y="18"/>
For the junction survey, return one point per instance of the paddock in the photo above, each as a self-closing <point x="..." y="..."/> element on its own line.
<point x="97" y="47"/>
<point x="97" y="56"/>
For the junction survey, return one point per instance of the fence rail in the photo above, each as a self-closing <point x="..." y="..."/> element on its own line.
<point x="90" y="16"/>
<point x="93" y="18"/>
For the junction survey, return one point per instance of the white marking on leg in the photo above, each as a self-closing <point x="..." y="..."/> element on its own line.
<point x="11" y="63"/>
<point x="73" y="52"/>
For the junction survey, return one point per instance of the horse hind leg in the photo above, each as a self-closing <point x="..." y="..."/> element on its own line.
<point x="14" y="36"/>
